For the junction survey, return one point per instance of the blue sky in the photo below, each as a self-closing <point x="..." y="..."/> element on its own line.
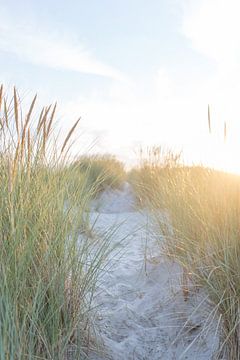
<point x="138" y="72"/>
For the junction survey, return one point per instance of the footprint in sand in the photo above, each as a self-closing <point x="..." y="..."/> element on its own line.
<point x="142" y="314"/>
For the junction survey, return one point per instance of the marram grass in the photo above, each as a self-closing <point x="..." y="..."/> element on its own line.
<point x="47" y="276"/>
<point x="203" y="207"/>
<point x="103" y="170"/>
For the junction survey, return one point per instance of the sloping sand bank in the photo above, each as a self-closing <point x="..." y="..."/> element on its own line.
<point x="141" y="310"/>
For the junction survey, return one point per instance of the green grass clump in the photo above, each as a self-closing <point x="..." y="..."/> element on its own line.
<point x="203" y="206"/>
<point x="48" y="272"/>
<point x="102" y="171"/>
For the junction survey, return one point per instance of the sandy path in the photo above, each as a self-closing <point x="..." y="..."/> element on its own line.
<point x="141" y="311"/>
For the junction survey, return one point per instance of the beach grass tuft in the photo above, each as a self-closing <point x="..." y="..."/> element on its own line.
<point x="202" y="232"/>
<point x="48" y="265"/>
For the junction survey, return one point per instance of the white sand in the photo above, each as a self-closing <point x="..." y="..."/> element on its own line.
<point x="141" y="310"/>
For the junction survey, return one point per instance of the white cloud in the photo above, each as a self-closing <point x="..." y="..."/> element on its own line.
<point x="51" y="50"/>
<point x="213" y="27"/>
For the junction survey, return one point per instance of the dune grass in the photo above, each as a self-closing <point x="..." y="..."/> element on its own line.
<point x="152" y="171"/>
<point x="203" y="206"/>
<point x="102" y="171"/>
<point x="48" y="267"/>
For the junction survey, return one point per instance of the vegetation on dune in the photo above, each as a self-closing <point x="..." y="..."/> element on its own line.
<point x="204" y="237"/>
<point x="102" y="171"/>
<point x="48" y="272"/>
<point x="148" y="179"/>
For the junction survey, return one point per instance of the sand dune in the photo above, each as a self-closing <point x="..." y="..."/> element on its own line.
<point x="141" y="311"/>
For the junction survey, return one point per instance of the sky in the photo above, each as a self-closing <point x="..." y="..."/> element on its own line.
<point x="139" y="73"/>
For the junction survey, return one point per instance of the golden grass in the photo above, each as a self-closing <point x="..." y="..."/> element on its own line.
<point x="204" y="233"/>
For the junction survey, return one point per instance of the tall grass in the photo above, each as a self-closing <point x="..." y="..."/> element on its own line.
<point x="103" y="171"/>
<point x="48" y="272"/>
<point x="204" y="237"/>
<point x="149" y="177"/>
